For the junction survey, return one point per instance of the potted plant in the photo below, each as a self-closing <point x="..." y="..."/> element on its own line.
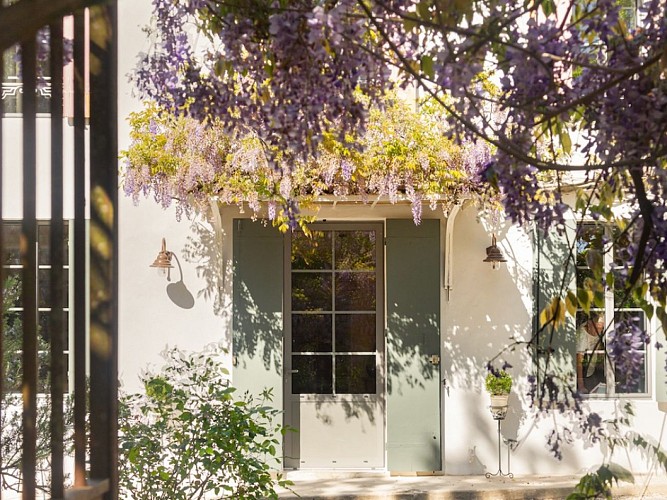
<point x="498" y="384"/>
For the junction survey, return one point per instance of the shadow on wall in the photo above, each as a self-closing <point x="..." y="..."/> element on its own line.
<point x="488" y="319"/>
<point x="410" y="342"/>
<point x="556" y="273"/>
<point x="204" y="250"/>
<point x="177" y="292"/>
<point x="257" y="320"/>
<point x="261" y="331"/>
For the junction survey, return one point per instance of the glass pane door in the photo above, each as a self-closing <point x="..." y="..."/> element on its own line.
<point x="334" y="318"/>
<point x="334" y="347"/>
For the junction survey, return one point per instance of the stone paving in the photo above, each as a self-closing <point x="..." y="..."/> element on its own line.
<point x="386" y="487"/>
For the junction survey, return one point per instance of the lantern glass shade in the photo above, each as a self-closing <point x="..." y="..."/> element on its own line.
<point x="494" y="255"/>
<point x="163" y="260"/>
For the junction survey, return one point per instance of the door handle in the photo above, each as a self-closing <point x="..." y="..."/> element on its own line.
<point x="294" y="371"/>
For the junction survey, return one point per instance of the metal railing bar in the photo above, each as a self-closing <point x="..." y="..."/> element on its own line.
<point x="80" y="390"/>
<point x="56" y="237"/>
<point x="2" y="256"/>
<point x="28" y="246"/>
<point x="104" y="249"/>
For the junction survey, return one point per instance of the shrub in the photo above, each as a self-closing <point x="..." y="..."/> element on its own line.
<point x="498" y="383"/>
<point x="189" y="435"/>
<point x="11" y="402"/>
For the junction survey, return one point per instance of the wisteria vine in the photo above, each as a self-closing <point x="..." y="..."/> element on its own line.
<point x="570" y="91"/>
<point x="403" y="156"/>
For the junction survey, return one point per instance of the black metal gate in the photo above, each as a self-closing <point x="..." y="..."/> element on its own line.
<point x="94" y="274"/>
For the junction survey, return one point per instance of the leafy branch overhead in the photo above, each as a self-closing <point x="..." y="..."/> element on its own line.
<point x="565" y="92"/>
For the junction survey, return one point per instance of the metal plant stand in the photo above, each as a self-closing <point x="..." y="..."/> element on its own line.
<point x="499" y="413"/>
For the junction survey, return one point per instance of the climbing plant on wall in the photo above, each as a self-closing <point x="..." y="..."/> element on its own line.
<point x="403" y="155"/>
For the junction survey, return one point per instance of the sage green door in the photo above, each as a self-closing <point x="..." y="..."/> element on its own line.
<point x="334" y="347"/>
<point x="413" y="345"/>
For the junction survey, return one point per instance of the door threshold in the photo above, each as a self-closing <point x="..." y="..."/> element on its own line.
<point x="315" y="474"/>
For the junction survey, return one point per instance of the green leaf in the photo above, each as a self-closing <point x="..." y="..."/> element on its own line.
<point x="566" y="142"/>
<point x="571" y="303"/>
<point x="427" y="66"/>
<point x="595" y="261"/>
<point x="423" y="9"/>
<point x="409" y="24"/>
<point x="662" y="317"/>
<point x="548" y="7"/>
<point x="553" y="313"/>
<point x="620" y="473"/>
<point x="649" y="309"/>
<point x="584" y="298"/>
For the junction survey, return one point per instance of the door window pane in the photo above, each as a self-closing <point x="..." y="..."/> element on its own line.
<point x="312" y="252"/>
<point x="43" y="238"/>
<point x="311" y="333"/>
<point x="631" y="323"/>
<point x="13" y="279"/>
<point x="311" y="291"/>
<point x="45" y="284"/>
<point x="355" y="250"/>
<point x="355" y="374"/>
<point x="11" y="255"/>
<point x="589" y="237"/>
<point x="613" y="312"/>
<point x="312" y="374"/>
<point x="355" y="332"/>
<point x="45" y="328"/>
<point x="355" y="291"/>
<point x="591" y="374"/>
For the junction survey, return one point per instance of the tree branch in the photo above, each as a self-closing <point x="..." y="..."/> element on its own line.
<point x="646" y="209"/>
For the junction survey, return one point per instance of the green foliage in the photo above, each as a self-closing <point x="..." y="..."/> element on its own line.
<point x="617" y="433"/>
<point x="598" y="484"/>
<point x="11" y="440"/>
<point x="11" y="403"/>
<point x="406" y="156"/>
<point x="498" y="383"/>
<point x="189" y="435"/>
<point x="12" y="331"/>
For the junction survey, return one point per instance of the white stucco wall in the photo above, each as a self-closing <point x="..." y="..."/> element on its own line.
<point x="155" y="313"/>
<point x="12" y="172"/>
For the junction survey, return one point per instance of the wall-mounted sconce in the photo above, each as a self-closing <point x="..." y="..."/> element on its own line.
<point x="494" y="255"/>
<point x="163" y="260"/>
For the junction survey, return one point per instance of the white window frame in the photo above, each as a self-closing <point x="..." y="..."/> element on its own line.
<point x="610" y="312"/>
<point x="67" y="271"/>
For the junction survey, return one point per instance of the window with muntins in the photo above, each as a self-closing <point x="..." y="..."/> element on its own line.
<point x="12" y="285"/>
<point x="596" y="374"/>
<point x="334" y="312"/>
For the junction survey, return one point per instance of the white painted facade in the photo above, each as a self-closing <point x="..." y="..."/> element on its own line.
<point x="483" y="310"/>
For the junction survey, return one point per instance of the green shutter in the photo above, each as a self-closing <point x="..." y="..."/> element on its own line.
<point x="553" y="266"/>
<point x="413" y="335"/>
<point x="660" y="373"/>
<point x="258" y="304"/>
